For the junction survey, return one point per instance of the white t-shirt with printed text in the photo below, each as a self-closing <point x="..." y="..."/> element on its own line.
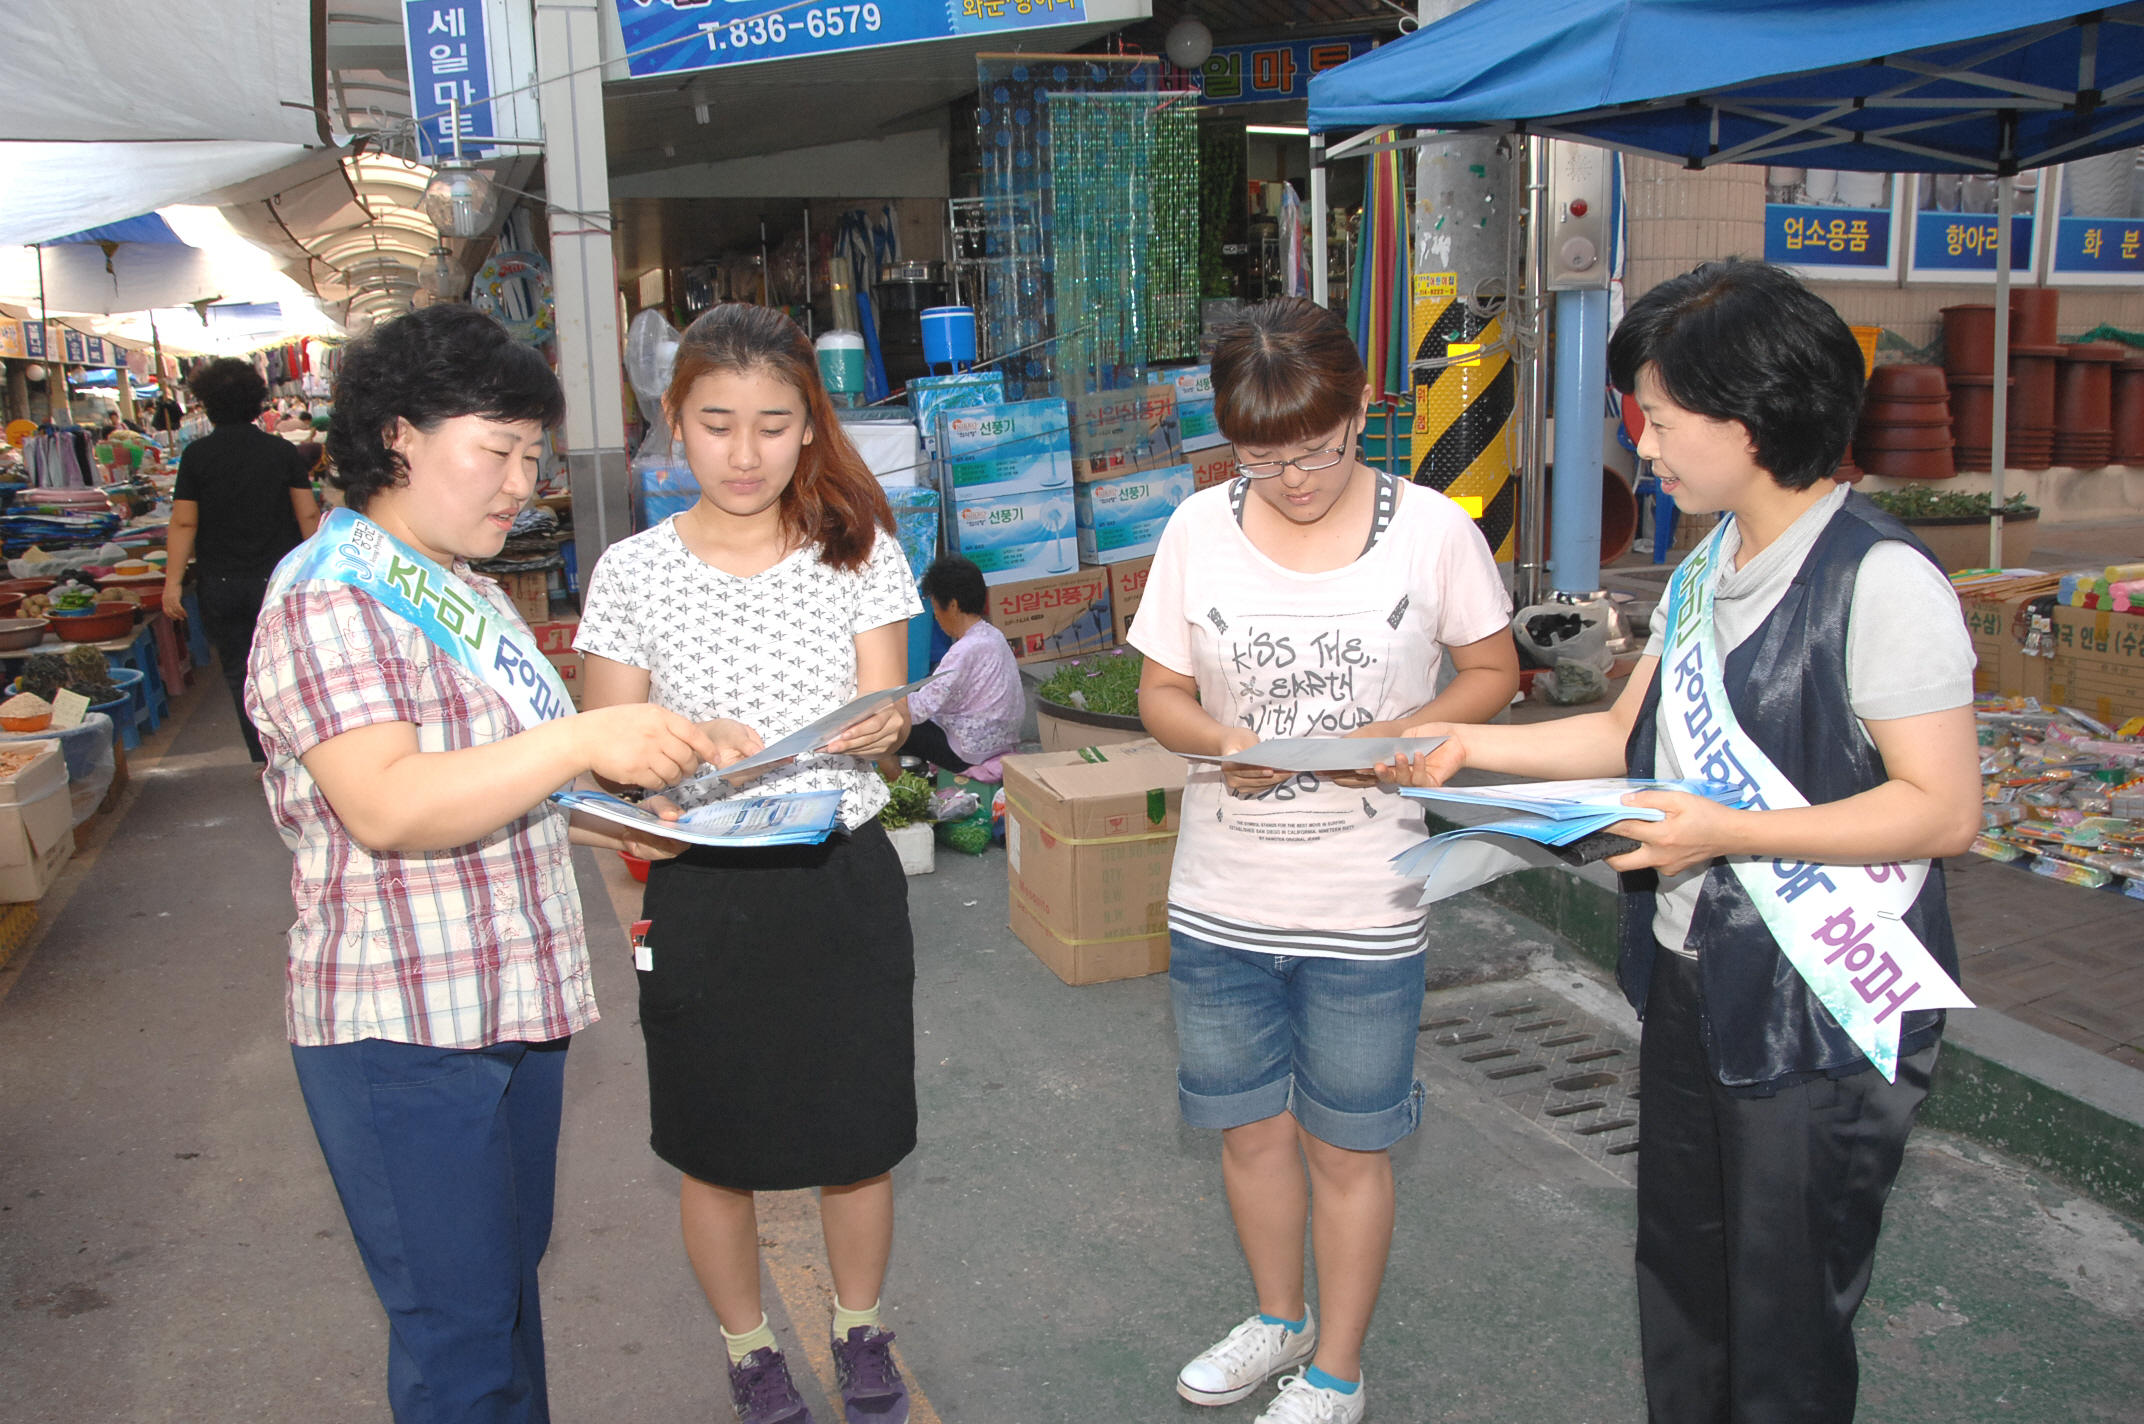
<point x="1288" y="654"/>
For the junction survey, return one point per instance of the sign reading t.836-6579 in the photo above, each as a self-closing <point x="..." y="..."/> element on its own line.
<point x="670" y="36"/>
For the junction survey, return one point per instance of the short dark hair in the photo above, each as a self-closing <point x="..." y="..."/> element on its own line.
<point x="1286" y="370"/>
<point x="427" y="368"/>
<point x="230" y="390"/>
<point x="957" y="582"/>
<point x="1746" y="341"/>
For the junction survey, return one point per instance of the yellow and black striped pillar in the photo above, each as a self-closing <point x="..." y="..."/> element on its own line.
<point x="1462" y="410"/>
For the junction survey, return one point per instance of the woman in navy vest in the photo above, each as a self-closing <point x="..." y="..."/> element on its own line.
<point x="1769" y="1140"/>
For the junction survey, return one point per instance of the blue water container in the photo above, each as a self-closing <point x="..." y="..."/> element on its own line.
<point x="949" y="337"/>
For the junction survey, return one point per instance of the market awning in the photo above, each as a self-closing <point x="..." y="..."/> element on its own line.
<point x="1873" y="85"/>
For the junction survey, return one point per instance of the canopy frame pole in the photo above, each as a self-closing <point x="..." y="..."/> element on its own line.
<point x="1320" y="226"/>
<point x="1999" y="425"/>
<point x="1533" y="507"/>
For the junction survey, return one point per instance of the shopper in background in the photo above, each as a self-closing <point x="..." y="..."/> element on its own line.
<point x="778" y="1001"/>
<point x="972" y="709"/>
<point x="243" y="500"/>
<point x="438" y="966"/>
<point x="1311" y="596"/>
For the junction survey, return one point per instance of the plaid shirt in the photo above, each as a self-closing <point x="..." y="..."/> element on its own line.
<point x="456" y="948"/>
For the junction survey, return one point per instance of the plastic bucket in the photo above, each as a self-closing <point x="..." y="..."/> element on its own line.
<point x="949" y="336"/>
<point x="841" y="362"/>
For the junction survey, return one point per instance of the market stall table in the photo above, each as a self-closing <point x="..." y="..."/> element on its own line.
<point x="136" y="651"/>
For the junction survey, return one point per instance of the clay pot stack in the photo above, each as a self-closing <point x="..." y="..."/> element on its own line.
<point x="1969" y="362"/>
<point x="1905" y="424"/>
<point x="2084" y="404"/>
<point x="2129" y="411"/>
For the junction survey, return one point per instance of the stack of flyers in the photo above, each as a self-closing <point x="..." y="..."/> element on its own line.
<point x="1561" y="816"/>
<point x="806" y="818"/>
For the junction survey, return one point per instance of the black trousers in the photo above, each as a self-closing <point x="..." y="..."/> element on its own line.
<point x="1757" y="1224"/>
<point x="229" y="609"/>
<point x="927" y="739"/>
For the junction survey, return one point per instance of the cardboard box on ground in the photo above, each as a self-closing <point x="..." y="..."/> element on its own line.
<point x="2000" y="663"/>
<point x="2098" y="666"/>
<point x="554" y="639"/>
<point x="36" y="826"/>
<point x="1090" y="838"/>
<point x="1057" y="616"/>
<point x="1127" y="585"/>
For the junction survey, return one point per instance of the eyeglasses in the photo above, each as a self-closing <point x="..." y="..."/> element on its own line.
<point x="1308" y="463"/>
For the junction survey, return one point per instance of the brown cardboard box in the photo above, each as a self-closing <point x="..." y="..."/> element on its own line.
<point x="1213" y="465"/>
<point x="36" y="842"/>
<point x="2000" y="663"/>
<point x="1060" y="616"/>
<point x="556" y="636"/>
<point x="571" y="668"/>
<point x="42" y="773"/>
<point x="2098" y="665"/>
<point x="1090" y="837"/>
<point x="1119" y="432"/>
<point x="1127" y="585"/>
<point x="531" y="594"/>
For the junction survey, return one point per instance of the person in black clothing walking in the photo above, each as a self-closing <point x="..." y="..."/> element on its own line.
<point x="244" y="499"/>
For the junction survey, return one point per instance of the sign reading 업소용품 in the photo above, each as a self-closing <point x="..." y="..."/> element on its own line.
<point x="673" y="36"/>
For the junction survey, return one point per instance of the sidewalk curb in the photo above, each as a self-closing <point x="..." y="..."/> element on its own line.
<point x="2063" y="1109"/>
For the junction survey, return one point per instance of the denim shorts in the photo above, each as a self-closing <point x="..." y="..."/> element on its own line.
<point x="1331" y="1041"/>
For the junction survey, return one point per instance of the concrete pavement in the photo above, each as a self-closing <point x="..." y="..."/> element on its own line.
<point x="171" y="1247"/>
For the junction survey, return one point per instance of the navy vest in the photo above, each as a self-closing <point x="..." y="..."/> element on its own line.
<point x="1763" y="1027"/>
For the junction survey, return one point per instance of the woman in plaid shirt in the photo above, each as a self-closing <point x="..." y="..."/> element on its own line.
<point x="438" y="968"/>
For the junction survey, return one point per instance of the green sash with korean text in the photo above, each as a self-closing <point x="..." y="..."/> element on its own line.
<point x="350" y="549"/>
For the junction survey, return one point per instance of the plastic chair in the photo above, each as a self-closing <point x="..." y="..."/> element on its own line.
<point x="197" y="650"/>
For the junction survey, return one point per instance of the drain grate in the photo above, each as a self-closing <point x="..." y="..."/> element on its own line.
<point x="1551" y="1062"/>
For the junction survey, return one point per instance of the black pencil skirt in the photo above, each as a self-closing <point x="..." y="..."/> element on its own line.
<point x="779" y="1014"/>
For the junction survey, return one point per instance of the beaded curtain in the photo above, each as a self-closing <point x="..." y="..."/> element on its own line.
<point x="1090" y="177"/>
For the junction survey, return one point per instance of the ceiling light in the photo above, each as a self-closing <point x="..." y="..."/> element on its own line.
<point x="1188" y="43"/>
<point x="1279" y="130"/>
<point x="460" y="200"/>
<point x="437" y="275"/>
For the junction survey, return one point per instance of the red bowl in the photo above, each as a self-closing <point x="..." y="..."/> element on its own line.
<point x="111" y="620"/>
<point x="1935" y="412"/>
<point x="1908" y="382"/>
<point x="1907" y="464"/>
<point x="1903" y="437"/>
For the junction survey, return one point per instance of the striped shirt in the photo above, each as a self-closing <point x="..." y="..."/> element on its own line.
<point x="457" y="948"/>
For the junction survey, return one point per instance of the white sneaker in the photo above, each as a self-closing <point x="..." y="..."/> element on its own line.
<point x="1301" y="1402"/>
<point x="1251" y="1354"/>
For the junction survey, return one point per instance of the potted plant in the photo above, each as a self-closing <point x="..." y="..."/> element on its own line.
<point x="1091" y="701"/>
<point x="1954" y="525"/>
<point x="907" y="819"/>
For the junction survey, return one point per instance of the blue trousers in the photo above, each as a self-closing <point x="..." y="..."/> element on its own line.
<point x="446" y="1160"/>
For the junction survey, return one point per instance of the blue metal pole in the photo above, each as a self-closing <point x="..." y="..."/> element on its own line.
<point x="1574" y="546"/>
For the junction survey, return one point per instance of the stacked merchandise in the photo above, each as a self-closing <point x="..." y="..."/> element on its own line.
<point x="2063" y="793"/>
<point x="1128" y="459"/>
<point x="1006" y="473"/>
<point x="1905" y="429"/>
<point x="57" y="519"/>
<point x="1206" y="449"/>
<point x="536" y="556"/>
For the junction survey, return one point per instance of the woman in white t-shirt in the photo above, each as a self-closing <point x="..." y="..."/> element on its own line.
<point x="1310" y="597"/>
<point x="777" y="1004"/>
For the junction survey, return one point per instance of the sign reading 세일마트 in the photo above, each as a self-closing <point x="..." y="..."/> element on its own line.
<point x="674" y="36"/>
<point x="449" y="74"/>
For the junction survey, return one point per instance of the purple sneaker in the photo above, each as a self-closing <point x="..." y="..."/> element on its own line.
<point x="762" y="1392"/>
<point x="872" y="1391"/>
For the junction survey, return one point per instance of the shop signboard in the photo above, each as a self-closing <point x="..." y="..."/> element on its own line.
<point x="449" y="66"/>
<point x="674" y="36"/>
<point x="76" y="348"/>
<point x="93" y="351"/>
<point x="1960" y="246"/>
<point x="1256" y="73"/>
<point x="37" y="341"/>
<point x="2096" y="242"/>
<point x="11" y="342"/>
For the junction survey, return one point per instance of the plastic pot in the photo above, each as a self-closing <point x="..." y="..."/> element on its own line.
<point x="2129" y="411"/>
<point x="2084" y="389"/>
<point x="1907" y="464"/>
<point x="1972" y="413"/>
<point x="1969" y="340"/>
<point x="2033" y="311"/>
<point x="2032" y="403"/>
<point x="1906" y="413"/>
<point x="1908" y="383"/>
<point x="1903" y="437"/>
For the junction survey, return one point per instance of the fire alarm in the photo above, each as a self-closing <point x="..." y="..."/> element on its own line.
<point x="1578" y="207"/>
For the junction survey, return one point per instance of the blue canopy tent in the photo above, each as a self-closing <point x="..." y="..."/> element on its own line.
<point x="1907" y="86"/>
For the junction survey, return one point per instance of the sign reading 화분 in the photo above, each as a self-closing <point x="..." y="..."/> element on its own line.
<point x="449" y="73"/>
<point x="2100" y="245"/>
<point x="672" y="36"/>
<point x="1255" y="73"/>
